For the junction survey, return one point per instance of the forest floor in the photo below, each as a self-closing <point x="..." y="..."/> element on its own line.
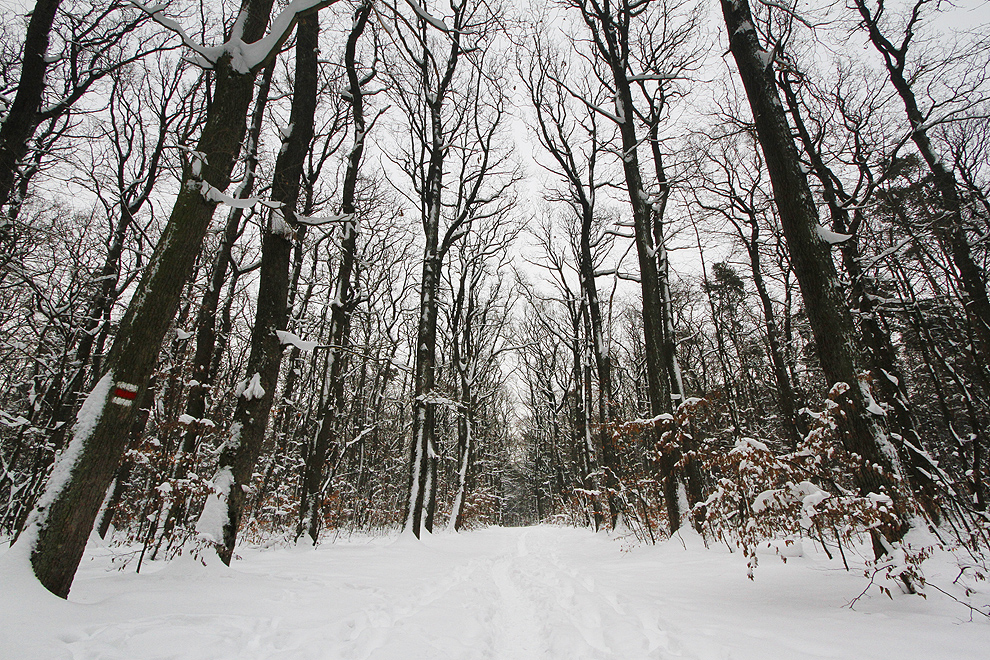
<point x="500" y="593"/>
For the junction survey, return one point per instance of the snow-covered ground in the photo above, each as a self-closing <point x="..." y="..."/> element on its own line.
<point x="513" y="594"/>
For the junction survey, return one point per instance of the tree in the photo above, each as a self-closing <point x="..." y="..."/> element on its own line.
<point x="572" y="138"/>
<point x="951" y="228"/>
<point x="452" y="94"/>
<point x="63" y="518"/>
<point x="343" y="298"/>
<point x="21" y="117"/>
<point x="812" y="261"/>
<point x="614" y="31"/>
<point x="92" y="43"/>
<point x="735" y="181"/>
<point x="256" y="392"/>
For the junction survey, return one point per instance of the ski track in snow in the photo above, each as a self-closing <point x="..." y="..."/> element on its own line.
<point x="496" y="594"/>
<point x="517" y="605"/>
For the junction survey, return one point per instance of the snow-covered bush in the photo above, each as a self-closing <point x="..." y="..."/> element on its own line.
<point x="761" y="496"/>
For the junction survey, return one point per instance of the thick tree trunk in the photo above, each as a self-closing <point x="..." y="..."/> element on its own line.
<point x="423" y="412"/>
<point x="206" y="346"/>
<point x="830" y="321"/>
<point x="206" y="318"/>
<point x="658" y="383"/>
<point x="610" y="32"/>
<point x="421" y="500"/>
<point x="254" y="401"/>
<point x="64" y="516"/>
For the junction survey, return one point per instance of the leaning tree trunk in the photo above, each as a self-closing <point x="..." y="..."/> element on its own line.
<point x="64" y="516"/>
<point x="831" y="322"/>
<point x="254" y="400"/>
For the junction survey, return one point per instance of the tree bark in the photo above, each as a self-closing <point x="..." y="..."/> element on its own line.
<point x="879" y="351"/>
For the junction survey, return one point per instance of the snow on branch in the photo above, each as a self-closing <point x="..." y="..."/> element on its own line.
<point x="212" y="194"/>
<point x="651" y="76"/>
<point x="425" y="15"/>
<point x="790" y="11"/>
<point x="831" y="237"/>
<point x="868" y="264"/>
<point x="244" y="57"/>
<point x="316" y="222"/>
<point x="253" y="55"/>
<point x="155" y="12"/>
<point x="290" y="339"/>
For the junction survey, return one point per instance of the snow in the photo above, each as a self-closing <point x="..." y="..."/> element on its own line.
<point x="280" y="227"/>
<point x="245" y="57"/>
<point x="251" y="388"/>
<point x="831" y="237"/>
<point x="86" y="420"/>
<point x="425" y="15"/>
<point x="287" y="338"/>
<point x="501" y="593"/>
<point x="324" y="220"/>
<point x="217" y="196"/>
<point x="214" y="515"/>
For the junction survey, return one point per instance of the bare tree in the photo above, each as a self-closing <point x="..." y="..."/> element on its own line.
<point x="451" y="92"/>
<point x="343" y="301"/>
<point x="812" y="261"/>
<point x="257" y="392"/>
<point x="617" y="33"/>
<point x="61" y="522"/>
<point x="951" y="227"/>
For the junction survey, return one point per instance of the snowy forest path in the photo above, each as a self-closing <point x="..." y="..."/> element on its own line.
<point x="548" y="593"/>
<point x="517" y="601"/>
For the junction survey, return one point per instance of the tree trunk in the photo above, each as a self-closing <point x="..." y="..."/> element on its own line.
<point x="342" y="303"/>
<point x="254" y="401"/>
<point x="64" y="516"/>
<point x="830" y="321"/>
<point x="206" y="318"/>
<point x="20" y="122"/>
